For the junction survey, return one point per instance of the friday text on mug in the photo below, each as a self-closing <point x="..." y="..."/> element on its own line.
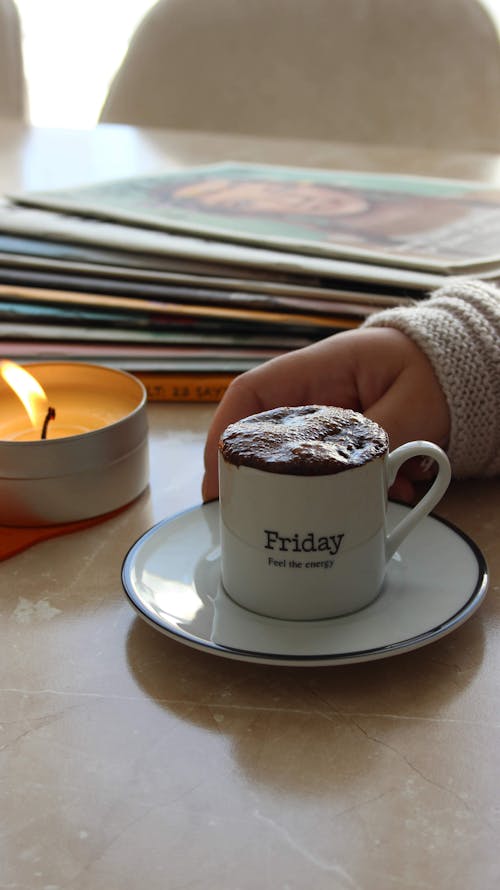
<point x="302" y="543"/>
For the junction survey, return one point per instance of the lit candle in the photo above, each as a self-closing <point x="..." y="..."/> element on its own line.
<point x="93" y="458"/>
<point x="34" y="401"/>
<point x="85" y="397"/>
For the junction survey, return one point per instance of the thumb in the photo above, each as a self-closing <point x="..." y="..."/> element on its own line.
<point x="393" y="412"/>
<point x="410" y="410"/>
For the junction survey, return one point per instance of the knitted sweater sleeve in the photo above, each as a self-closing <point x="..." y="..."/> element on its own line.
<point x="458" y="328"/>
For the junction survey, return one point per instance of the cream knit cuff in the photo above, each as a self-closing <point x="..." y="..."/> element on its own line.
<point x="458" y="328"/>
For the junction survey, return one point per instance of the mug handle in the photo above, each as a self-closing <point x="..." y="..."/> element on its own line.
<point x="429" y="500"/>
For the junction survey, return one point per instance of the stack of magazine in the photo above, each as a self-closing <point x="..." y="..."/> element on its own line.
<point x="189" y="278"/>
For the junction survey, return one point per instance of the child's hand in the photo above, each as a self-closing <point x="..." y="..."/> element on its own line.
<point x="377" y="371"/>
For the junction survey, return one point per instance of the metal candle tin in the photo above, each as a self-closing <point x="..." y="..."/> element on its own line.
<point x="101" y="468"/>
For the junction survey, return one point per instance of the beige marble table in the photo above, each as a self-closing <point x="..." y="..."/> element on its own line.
<point x="129" y="760"/>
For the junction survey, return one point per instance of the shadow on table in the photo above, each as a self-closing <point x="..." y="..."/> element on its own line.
<point x="323" y="718"/>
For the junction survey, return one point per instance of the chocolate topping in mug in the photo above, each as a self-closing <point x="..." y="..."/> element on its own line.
<point x="310" y="440"/>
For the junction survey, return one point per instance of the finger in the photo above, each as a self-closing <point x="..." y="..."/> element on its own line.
<point x="406" y="414"/>
<point x="420" y="469"/>
<point x="402" y="489"/>
<point x="394" y="413"/>
<point x="240" y="400"/>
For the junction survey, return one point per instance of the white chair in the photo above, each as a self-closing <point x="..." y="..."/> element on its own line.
<point x="417" y="72"/>
<point x="12" y="83"/>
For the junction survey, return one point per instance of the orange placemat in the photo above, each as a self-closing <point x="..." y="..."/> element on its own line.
<point x="14" y="540"/>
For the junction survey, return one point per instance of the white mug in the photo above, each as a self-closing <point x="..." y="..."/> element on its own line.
<point x="310" y="547"/>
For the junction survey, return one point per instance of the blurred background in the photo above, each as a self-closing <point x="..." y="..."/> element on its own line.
<point x="72" y="49"/>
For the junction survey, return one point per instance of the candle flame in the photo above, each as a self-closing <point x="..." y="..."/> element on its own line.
<point x="27" y="389"/>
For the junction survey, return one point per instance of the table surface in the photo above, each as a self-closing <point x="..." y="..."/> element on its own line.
<point x="130" y="760"/>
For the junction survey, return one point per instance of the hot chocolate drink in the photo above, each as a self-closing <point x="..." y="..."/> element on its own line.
<point x="310" y="440"/>
<point x="303" y="497"/>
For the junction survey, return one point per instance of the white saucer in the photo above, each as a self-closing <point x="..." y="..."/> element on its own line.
<point x="434" y="583"/>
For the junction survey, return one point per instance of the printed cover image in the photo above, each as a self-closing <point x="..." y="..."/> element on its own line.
<point x="399" y="220"/>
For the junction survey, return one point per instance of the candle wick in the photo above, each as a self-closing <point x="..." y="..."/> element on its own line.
<point x="51" y="413"/>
